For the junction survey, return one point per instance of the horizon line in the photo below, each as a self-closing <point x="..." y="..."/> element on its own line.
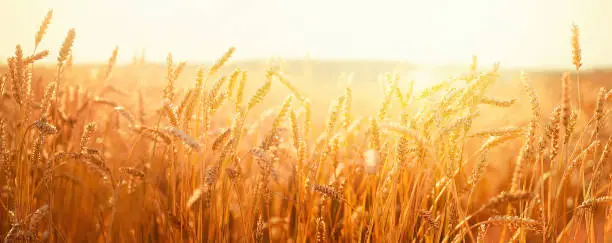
<point x="345" y="60"/>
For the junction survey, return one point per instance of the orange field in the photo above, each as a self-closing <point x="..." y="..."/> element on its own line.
<point x="300" y="151"/>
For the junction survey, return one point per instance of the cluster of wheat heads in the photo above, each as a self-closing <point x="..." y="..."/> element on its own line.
<point x="77" y="166"/>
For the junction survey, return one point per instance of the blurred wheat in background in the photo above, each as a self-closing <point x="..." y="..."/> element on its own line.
<point x="221" y="153"/>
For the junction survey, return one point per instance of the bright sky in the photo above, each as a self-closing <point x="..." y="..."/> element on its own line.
<point x="515" y="32"/>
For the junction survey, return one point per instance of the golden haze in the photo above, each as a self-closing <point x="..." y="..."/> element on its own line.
<point x="517" y="33"/>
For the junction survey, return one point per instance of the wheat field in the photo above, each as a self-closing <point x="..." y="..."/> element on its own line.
<point x="224" y="153"/>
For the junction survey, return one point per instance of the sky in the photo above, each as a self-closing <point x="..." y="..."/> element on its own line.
<point x="517" y="33"/>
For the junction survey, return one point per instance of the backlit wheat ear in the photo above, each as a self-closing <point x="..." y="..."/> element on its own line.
<point x="189" y="140"/>
<point x="515" y="222"/>
<point x="37" y="149"/>
<point x="462" y="123"/>
<point x="384" y="107"/>
<point x="132" y="172"/>
<point x="192" y="104"/>
<point x="328" y="191"/>
<point x="597" y="171"/>
<point x="496" y="102"/>
<point x="565" y="99"/>
<point x="217" y="102"/>
<point x="282" y="114"/>
<point x="178" y="70"/>
<point x="507" y="198"/>
<point x="47" y="98"/>
<point x="44" y="127"/>
<point x="295" y="129"/>
<point x="220" y="141"/>
<point x="533" y="99"/>
<point x="196" y="196"/>
<point x="554" y="132"/>
<point x="499" y="132"/>
<point x="17" y="71"/>
<point x="199" y="81"/>
<point x="348" y="98"/>
<point x="569" y="129"/>
<point x="169" y="65"/>
<point x="478" y="171"/>
<point x="432" y="224"/>
<point x="197" y="100"/>
<point x="374" y="132"/>
<point x="259" y="95"/>
<point x="234" y="78"/>
<point x="599" y="110"/>
<point x="42" y="30"/>
<point x="433" y="89"/>
<point x="233" y="174"/>
<point x="66" y="49"/>
<point x="240" y="89"/>
<point x="35" y="57"/>
<point x="290" y="86"/>
<point x="592" y="203"/>
<point x="103" y="101"/>
<point x="576" y="51"/>
<point x="335" y="110"/>
<point x="153" y="133"/>
<point x="577" y="59"/>
<point x="3" y="84"/>
<point x="408" y="132"/>
<point x="524" y="157"/>
<point x="169" y="89"/>
<point x="27" y="89"/>
<point x="184" y="102"/>
<point x="111" y="64"/>
<point x="221" y="61"/>
<point x="212" y="174"/>
<point x="88" y="131"/>
<point x="482" y="233"/>
<point x="216" y="89"/>
<point x="141" y="108"/>
<point x="259" y="229"/>
<point x="170" y="112"/>
<point x="400" y="96"/>
<point x="321" y="235"/>
<point x="307" y="118"/>
<point x="579" y="160"/>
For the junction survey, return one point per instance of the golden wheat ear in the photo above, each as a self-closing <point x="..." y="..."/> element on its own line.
<point x="42" y="30"/>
